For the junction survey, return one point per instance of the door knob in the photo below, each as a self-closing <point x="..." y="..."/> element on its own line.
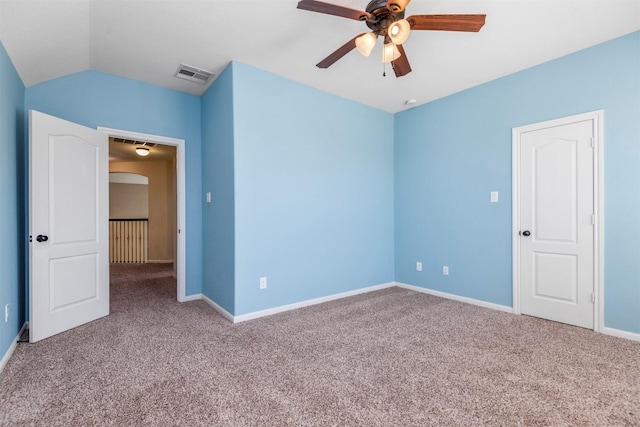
<point x="42" y="238"/>
<point x="526" y="233"/>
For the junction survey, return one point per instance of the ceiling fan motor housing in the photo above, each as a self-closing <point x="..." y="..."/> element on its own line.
<point x="381" y="16"/>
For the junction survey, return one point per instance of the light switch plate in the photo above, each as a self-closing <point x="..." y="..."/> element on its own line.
<point x="494" y="197"/>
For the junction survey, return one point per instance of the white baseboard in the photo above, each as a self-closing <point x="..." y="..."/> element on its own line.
<point x="12" y="348"/>
<point x="621" y="334"/>
<point x="301" y="304"/>
<point x="472" y="301"/>
<point x="607" y="331"/>
<point x="288" y="307"/>
<point x="218" y="308"/>
<point x="306" y="303"/>
<point x="194" y="297"/>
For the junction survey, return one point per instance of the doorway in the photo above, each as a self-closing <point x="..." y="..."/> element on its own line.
<point x="557" y="220"/>
<point x="172" y="152"/>
<point x="68" y="219"/>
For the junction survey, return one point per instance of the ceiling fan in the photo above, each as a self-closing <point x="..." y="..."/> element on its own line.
<point x="385" y="18"/>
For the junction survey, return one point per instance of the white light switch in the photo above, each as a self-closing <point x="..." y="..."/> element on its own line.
<point x="208" y="196"/>
<point x="494" y="197"/>
<point x="418" y="266"/>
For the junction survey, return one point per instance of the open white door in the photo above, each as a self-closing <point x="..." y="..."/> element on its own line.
<point x="68" y="224"/>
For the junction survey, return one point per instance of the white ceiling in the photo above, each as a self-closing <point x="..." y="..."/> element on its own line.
<point x="147" y="40"/>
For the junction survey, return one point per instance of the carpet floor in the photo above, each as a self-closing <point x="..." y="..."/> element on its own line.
<point x="387" y="358"/>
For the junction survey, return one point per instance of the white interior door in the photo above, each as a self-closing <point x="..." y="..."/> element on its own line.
<point x="557" y="218"/>
<point x="68" y="224"/>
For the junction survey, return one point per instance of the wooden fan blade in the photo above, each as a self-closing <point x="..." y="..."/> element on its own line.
<point x="397" y="5"/>
<point x="401" y="65"/>
<point x="339" y="53"/>
<point x="471" y="23"/>
<point x="333" y="9"/>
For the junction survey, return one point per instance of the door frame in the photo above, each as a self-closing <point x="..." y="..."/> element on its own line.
<point x="180" y="196"/>
<point x="598" y="200"/>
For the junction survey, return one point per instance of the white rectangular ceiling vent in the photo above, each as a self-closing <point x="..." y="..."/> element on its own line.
<point x="132" y="141"/>
<point x="194" y="74"/>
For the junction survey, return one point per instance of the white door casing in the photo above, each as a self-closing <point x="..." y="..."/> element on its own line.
<point x="557" y="199"/>
<point x="68" y="224"/>
<point x="181" y="197"/>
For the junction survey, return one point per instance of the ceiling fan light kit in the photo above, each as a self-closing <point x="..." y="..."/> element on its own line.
<point x="390" y="52"/>
<point x="399" y="31"/>
<point x="385" y="18"/>
<point x="366" y="42"/>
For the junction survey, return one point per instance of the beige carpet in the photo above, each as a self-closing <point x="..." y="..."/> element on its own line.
<point x="387" y="358"/>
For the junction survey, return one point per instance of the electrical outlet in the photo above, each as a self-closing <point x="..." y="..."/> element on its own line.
<point x="445" y="270"/>
<point x="263" y="283"/>
<point x="6" y="313"/>
<point x="418" y="266"/>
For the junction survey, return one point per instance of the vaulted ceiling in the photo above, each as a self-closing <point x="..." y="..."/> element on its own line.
<point x="147" y="40"/>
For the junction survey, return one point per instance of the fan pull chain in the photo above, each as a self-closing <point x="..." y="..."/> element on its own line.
<point x="384" y="69"/>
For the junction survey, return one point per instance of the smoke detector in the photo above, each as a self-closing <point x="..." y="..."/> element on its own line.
<point x="194" y="74"/>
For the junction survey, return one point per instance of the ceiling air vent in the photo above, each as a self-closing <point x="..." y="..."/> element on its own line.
<point x="134" y="142"/>
<point x="194" y="74"/>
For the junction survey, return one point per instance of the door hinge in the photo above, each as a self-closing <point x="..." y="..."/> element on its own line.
<point x="593" y="297"/>
<point x="593" y="220"/>
<point x="593" y="142"/>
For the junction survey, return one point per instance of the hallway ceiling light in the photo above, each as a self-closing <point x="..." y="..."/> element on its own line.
<point x="142" y="151"/>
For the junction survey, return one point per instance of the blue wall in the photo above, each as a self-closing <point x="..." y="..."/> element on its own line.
<point x="451" y="153"/>
<point x="218" y="179"/>
<point x="93" y="99"/>
<point x="313" y="192"/>
<point x="12" y="201"/>
<point x="308" y="188"/>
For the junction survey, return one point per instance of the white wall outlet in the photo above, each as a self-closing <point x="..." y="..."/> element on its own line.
<point x="494" y="197"/>
<point x="208" y="196"/>
<point x="418" y="266"/>
<point x="6" y="313"/>
<point x="263" y="283"/>
<point x="445" y="270"/>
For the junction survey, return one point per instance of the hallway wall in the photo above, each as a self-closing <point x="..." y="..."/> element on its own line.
<point x="162" y="205"/>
